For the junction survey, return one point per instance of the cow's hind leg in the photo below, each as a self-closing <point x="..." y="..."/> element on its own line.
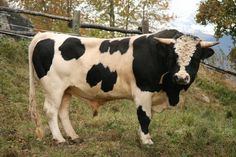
<point x="65" y="120"/>
<point x="51" y="107"/>
<point x="143" y="103"/>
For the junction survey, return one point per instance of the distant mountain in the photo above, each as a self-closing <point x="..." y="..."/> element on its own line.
<point x="222" y="50"/>
<point x="226" y="43"/>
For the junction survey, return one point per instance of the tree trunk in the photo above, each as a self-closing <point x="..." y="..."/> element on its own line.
<point x="112" y="14"/>
<point x="69" y="7"/>
<point x="127" y="17"/>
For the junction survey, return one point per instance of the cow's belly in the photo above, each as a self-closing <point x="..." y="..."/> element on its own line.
<point x="121" y="90"/>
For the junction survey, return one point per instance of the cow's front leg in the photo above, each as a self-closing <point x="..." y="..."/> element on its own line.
<point x="143" y="103"/>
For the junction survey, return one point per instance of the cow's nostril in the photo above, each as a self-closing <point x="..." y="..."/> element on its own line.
<point x="186" y="78"/>
<point x="181" y="80"/>
<point x="176" y="78"/>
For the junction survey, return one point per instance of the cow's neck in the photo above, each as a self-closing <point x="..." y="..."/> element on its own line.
<point x="149" y="63"/>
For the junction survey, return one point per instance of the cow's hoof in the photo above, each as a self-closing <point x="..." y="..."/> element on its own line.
<point x="59" y="143"/>
<point x="76" y="141"/>
<point x="147" y="142"/>
<point x="145" y="138"/>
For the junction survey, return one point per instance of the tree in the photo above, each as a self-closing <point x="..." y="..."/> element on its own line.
<point x="155" y="11"/>
<point x="56" y="7"/>
<point x="127" y="14"/>
<point x="222" y="13"/>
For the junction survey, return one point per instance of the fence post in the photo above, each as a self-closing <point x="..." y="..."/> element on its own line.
<point x="76" y="21"/>
<point x="4" y="24"/>
<point x="145" y="26"/>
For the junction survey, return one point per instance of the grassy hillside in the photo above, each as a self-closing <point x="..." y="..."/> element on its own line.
<point x="204" y="125"/>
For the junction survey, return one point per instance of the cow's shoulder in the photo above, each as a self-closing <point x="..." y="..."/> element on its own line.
<point x="148" y="65"/>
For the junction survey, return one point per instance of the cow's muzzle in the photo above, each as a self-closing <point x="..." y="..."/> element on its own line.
<point x="181" y="79"/>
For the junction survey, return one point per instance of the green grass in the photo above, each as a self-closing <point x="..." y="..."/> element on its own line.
<point x="223" y="94"/>
<point x="195" y="128"/>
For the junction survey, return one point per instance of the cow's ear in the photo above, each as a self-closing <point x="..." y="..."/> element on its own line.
<point x="206" y="53"/>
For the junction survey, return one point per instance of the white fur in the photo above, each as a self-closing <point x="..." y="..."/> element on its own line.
<point x="185" y="47"/>
<point x="145" y="139"/>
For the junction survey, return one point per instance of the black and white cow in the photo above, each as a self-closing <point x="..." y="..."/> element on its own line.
<point x="150" y="69"/>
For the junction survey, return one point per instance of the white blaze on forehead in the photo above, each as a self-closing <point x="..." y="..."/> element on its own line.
<point x="185" y="47"/>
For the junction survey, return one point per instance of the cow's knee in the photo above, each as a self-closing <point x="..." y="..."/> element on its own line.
<point x="144" y="121"/>
<point x="50" y="110"/>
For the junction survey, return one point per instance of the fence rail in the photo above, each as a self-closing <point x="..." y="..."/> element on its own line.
<point x="18" y="33"/>
<point x="219" y="69"/>
<point x="35" y="13"/>
<point x="112" y="29"/>
<point x="69" y="19"/>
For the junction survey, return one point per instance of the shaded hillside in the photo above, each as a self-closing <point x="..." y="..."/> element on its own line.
<point x="204" y="125"/>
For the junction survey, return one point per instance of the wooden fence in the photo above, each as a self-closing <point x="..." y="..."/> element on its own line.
<point x="75" y="20"/>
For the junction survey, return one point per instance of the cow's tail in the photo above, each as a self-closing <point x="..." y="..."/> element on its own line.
<point x="32" y="99"/>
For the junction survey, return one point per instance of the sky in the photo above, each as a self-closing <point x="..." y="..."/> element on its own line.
<point x="185" y="11"/>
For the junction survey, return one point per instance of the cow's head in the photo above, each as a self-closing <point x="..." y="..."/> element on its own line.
<point x="184" y="57"/>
